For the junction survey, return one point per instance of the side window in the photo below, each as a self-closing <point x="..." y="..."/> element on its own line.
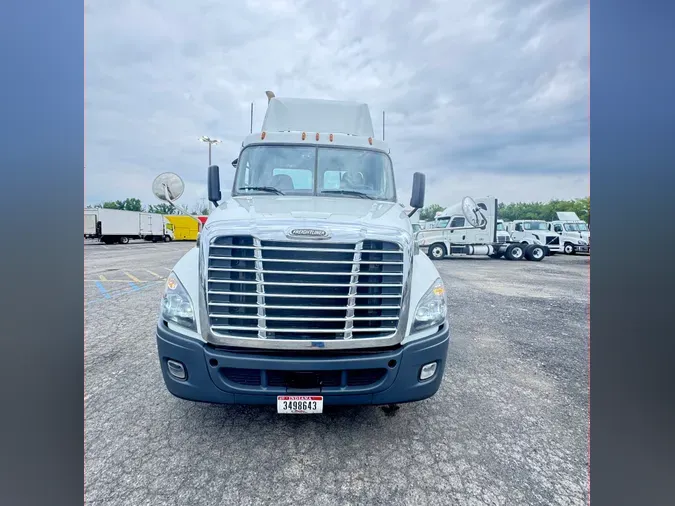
<point x="519" y="227"/>
<point x="457" y="222"/>
<point x="558" y="228"/>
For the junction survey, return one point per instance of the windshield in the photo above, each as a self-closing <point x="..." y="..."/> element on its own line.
<point x="576" y="227"/>
<point x="442" y="222"/>
<point x="500" y="227"/>
<point x="310" y="170"/>
<point x="535" y="225"/>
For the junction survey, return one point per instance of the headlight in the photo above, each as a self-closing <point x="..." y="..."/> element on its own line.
<point x="582" y="242"/>
<point x="433" y="307"/>
<point x="176" y="304"/>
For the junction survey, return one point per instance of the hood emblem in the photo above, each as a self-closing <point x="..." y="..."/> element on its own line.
<point x="307" y="233"/>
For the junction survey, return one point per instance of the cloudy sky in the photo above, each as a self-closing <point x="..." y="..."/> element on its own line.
<point x="487" y="97"/>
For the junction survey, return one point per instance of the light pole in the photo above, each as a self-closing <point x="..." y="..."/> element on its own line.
<point x="210" y="142"/>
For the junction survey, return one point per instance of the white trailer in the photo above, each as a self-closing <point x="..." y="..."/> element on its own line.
<point x="573" y="233"/>
<point x="155" y="227"/>
<point x="470" y="228"/>
<point x="117" y="226"/>
<point x="90" y="221"/>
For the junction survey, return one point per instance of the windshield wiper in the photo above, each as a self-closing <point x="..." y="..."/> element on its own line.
<point x="350" y="192"/>
<point x="269" y="189"/>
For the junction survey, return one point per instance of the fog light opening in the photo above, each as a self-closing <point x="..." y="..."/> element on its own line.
<point x="428" y="370"/>
<point x="213" y="362"/>
<point x="176" y="369"/>
<point x="392" y="364"/>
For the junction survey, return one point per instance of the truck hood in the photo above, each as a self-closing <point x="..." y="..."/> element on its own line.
<point x="326" y="210"/>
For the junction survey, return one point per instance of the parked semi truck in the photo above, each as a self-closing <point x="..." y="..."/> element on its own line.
<point x="117" y="226"/>
<point x="306" y="288"/>
<point x="574" y="234"/>
<point x="529" y="232"/>
<point x="471" y="228"/>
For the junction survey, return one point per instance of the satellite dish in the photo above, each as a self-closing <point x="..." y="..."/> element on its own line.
<point x="472" y="212"/>
<point x="168" y="187"/>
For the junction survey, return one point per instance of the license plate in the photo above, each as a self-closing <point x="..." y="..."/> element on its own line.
<point x="300" y="404"/>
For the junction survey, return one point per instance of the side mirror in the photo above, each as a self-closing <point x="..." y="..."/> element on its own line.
<point x="417" y="197"/>
<point x="235" y="162"/>
<point x="168" y="187"/>
<point x="214" y="185"/>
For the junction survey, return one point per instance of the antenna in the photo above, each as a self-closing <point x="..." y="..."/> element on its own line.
<point x="251" y="131"/>
<point x="472" y="213"/>
<point x="382" y="125"/>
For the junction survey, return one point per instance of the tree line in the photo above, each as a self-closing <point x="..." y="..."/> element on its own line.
<point x="528" y="210"/>
<point x="134" y="204"/>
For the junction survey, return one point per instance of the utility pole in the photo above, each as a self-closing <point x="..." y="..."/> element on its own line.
<point x="210" y="142"/>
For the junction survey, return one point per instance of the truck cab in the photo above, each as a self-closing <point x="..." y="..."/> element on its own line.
<point x="502" y="234"/>
<point x="574" y="233"/>
<point x="470" y="227"/>
<point x="534" y="232"/>
<point x="306" y="287"/>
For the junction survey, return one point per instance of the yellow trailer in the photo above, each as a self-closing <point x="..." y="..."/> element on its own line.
<point x="185" y="228"/>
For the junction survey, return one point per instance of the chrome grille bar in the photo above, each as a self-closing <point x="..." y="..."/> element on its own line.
<point x="353" y="282"/>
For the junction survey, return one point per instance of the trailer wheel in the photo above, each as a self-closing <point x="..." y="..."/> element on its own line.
<point x="124" y="240"/>
<point x="568" y="249"/>
<point x="154" y="238"/>
<point x="514" y="252"/>
<point x="535" y="253"/>
<point x="437" y="251"/>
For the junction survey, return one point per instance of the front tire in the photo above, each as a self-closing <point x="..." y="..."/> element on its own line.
<point x="568" y="249"/>
<point x="124" y="240"/>
<point x="515" y="252"/>
<point x="437" y="251"/>
<point x="167" y="238"/>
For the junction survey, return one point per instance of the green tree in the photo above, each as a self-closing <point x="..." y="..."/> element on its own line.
<point x="429" y="213"/>
<point x="162" y="208"/>
<point x="545" y="210"/>
<point x="129" y="204"/>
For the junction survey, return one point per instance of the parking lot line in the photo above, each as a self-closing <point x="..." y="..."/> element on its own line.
<point x="102" y="289"/>
<point x="102" y="277"/>
<point x="132" y="277"/>
<point x="133" y="285"/>
<point x="154" y="273"/>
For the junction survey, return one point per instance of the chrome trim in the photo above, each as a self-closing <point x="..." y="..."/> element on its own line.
<point x="274" y="230"/>
<point x="353" y="287"/>
<point x="259" y="289"/>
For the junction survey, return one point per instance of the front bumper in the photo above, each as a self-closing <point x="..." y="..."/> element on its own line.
<point x="244" y="377"/>
<point x="582" y="248"/>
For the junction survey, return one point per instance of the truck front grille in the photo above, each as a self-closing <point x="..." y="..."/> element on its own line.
<point x="300" y="290"/>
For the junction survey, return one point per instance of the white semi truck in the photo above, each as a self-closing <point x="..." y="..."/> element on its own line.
<point x="306" y="288"/>
<point x="117" y="226"/>
<point x="573" y="233"/>
<point x="533" y="232"/>
<point x="470" y="228"/>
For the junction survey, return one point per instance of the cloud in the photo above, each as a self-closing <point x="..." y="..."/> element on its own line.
<point x="487" y="97"/>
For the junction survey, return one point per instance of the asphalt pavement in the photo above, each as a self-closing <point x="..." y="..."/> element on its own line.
<point x="509" y="425"/>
